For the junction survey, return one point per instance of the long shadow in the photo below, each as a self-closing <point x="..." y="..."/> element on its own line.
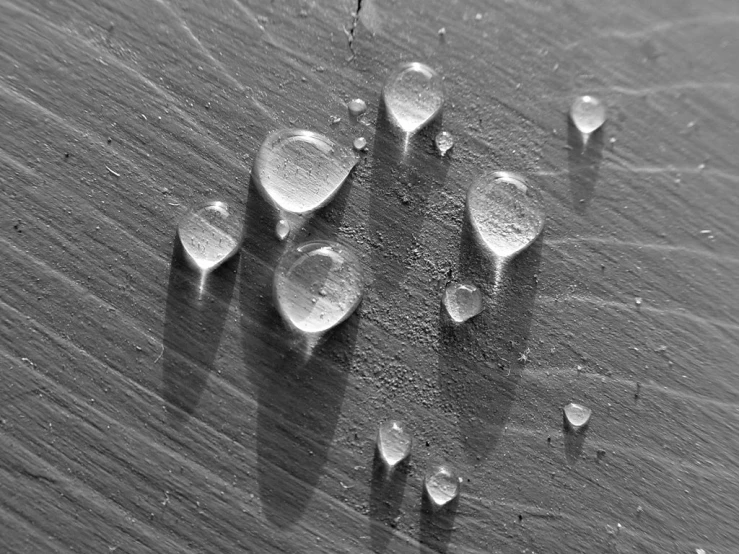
<point x="386" y="498"/>
<point x="573" y="441"/>
<point x="299" y="397"/>
<point x="437" y="525"/>
<point x="583" y="165"/>
<point x="481" y="360"/>
<point x="402" y="175"/>
<point x="193" y="324"/>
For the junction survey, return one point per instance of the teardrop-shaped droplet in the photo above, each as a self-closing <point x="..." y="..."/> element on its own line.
<point x="413" y="96"/>
<point x="577" y="416"/>
<point x="588" y="113"/>
<point x="317" y="286"/>
<point x="210" y="235"/>
<point x="393" y="443"/>
<point x="441" y="484"/>
<point x="282" y="229"/>
<point x="506" y="212"/>
<point x="444" y="142"/>
<point x="462" y="301"/>
<point x="300" y="171"/>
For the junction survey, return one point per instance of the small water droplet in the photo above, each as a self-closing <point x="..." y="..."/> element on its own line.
<point x="360" y="143"/>
<point x="441" y="484"/>
<point x="637" y="300"/>
<point x="357" y="107"/>
<point x="506" y="212"/>
<point x="317" y="286"/>
<point x="577" y="416"/>
<point x="282" y="229"/>
<point x="413" y="96"/>
<point x="462" y="301"/>
<point x="393" y="443"/>
<point x="300" y="171"/>
<point x="444" y="142"/>
<point x="210" y="235"/>
<point x="588" y="113"/>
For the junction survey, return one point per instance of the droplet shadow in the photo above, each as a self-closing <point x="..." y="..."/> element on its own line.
<point x="481" y="360"/>
<point x="402" y="175"/>
<point x="299" y="397"/>
<point x="193" y="324"/>
<point x="437" y="525"/>
<point x="386" y="499"/>
<point x="583" y="164"/>
<point x="574" y="441"/>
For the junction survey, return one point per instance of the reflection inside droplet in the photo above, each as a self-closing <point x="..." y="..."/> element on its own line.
<point x="413" y="95"/>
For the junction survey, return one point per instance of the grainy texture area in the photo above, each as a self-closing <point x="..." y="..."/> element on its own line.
<point x="136" y="418"/>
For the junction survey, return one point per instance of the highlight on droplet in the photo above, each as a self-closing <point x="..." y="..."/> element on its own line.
<point x="393" y="444"/>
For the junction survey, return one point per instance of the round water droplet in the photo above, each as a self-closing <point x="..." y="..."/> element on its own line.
<point x="393" y="443"/>
<point x="587" y="113"/>
<point x="210" y="235"/>
<point x="441" y="484"/>
<point x="444" y="142"/>
<point x="317" y="286"/>
<point x="282" y="229"/>
<point x="360" y="143"/>
<point x="300" y="171"/>
<point x="577" y="416"/>
<point x="357" y="107"/>
<point x="462" y="301"/>
<point x="506" y="212"/>
<point x="413" y="96"/>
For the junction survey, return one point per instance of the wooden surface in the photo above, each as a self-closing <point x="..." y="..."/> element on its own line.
<point x="136" y="418"/>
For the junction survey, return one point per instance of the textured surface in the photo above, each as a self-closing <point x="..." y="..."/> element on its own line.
<point x="135" y="418"/>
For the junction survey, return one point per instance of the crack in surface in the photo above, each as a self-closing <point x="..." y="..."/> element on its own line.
<point x="352" y="29"/>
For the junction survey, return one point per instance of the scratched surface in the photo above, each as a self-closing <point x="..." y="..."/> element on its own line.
<point x="136" y="418"/>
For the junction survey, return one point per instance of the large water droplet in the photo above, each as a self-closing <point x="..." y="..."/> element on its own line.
<point x="577" y="416"/>
<point x="300" y="171"/>
<point x="506" y="213"/>
<point x="317" y="286"/>
<point x="393" y="443"/>
<point x="462" y="301"/>
<point x="210" y="235"/>
<point x="444" y="142"/>
<point x="588" y="113"/>
<point x="441" y="484"/>
<point x="413" y="96"/>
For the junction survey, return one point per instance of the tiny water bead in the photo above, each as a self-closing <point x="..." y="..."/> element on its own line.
<point x="393" y="443"/>
<point x="444" y="142"/>
<point x="441" y="484"/>
<point x="506" y="213"/>
<point x="462" y="301"/>
<point x="317" y="285"/>
<point x="299" y="171"/>
<point x="577" y="416"/>
<point x="360" y="144"/>
<point x="357" y="107"/>
<point x="210" y="235"/>
<point x="282" y="229"/>
<point x="413" y="95"/>
<point x="588" y="113"/>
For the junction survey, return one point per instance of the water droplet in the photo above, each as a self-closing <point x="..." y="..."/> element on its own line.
<point x="588" y="113"/>
<point x="577" y="416"/>
<point x="462" y="301"/>
<point x="413" y="96"/>
<point x="506" y="213"/>
<point x="282" y="229"/>
<point x="441" y="484"/>
<point x="360" y="143"/>
<point x="444" y="142"/>
<point x="637" y="300"/>
<point x="393" y="443"/>
<point x="357" y="107"/>
<point x="300" y="171"/>
<point x="210" y="235"/>
<point x="317" y="286"/>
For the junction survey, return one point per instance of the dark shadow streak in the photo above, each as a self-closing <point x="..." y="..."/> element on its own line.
<point x="299" y="398"/>
<point x="480" y="361"/>
<point x="437" y="525"/>
<point x="573" y="441"/>
<point x="193" y="324"/>
<point x="583" y="164"/>
<point x="386" y="498"/>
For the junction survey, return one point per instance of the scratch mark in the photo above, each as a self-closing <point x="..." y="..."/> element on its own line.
<point x="353" y="28"/>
